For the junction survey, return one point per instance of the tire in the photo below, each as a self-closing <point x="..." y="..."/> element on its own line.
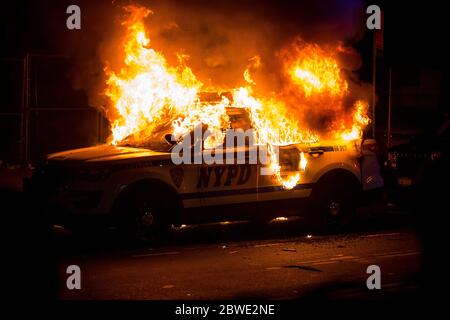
<point x="144" y="212"/>
<point x="334" y="203"/>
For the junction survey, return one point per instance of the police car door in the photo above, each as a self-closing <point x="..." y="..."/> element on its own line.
<point x="229" y="182"/>
<point x="270" y="189"/>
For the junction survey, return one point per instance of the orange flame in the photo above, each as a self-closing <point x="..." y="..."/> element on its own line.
<point x="149" y="95"/>
<point x="315" y="70"/>
<point x="360" y="121"/>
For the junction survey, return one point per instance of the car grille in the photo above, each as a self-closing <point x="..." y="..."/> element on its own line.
<point x="408" y="163"/>
<point x="48" y="179"/>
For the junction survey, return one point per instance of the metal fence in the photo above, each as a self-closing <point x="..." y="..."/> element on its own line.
<point x="41" y="113"/>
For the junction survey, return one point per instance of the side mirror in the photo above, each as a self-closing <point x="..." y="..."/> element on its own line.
<point x="169" y="140"/>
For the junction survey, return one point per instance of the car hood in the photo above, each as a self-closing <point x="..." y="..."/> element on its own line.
<point x="105" y="153"/>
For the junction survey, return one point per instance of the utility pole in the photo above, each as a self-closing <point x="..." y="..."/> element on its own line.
<point x="22" y="112"/>
<point x="25" y="114"/>
<point x="374" y="80"/>
<point x="389" y="109"/>
<point x="377" y="49"/>
<point x="27" y="108"/>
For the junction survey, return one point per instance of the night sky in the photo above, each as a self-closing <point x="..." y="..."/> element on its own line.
<point x="220" y="36"/>
<point x="413" y="29"/>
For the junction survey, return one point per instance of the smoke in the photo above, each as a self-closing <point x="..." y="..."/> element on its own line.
<point x="219" y="38"/>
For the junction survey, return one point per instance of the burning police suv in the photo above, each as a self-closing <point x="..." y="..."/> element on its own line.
<point x="164" y="183"/>
<point x="182" y="151"/>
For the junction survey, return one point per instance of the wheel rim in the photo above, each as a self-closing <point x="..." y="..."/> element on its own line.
<point x="334" y="208"/>
<point x="146" y="217"/>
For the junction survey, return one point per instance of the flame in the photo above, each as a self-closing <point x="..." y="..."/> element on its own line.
<point x="315" y="70"/>
<point x="146" y="92"/>
<point x="255" y="63"/>
<point x="360" y="121"/>
<point x="273" y="127"/>
<point x="303" y="162"/>
<point x="149" y="95"/>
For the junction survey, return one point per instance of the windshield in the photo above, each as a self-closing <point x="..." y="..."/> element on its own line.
<point x="155" y="142"/>
<point x="238" y="119"/>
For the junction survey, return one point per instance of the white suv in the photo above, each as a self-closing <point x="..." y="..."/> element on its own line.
<point x="141" y="188"/>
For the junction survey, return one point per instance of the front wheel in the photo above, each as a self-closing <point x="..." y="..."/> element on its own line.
<point x="144" y="213"/>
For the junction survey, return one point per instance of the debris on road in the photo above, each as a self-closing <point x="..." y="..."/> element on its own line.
<point x="168" y="286"/>
<point x="303" y="268"/>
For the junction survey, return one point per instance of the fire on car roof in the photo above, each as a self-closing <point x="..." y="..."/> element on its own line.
<point x="145" y="93"/>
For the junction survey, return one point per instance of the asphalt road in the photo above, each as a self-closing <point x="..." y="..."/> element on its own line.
<point x="280" y="260"/>
<point x="236" y="261"/>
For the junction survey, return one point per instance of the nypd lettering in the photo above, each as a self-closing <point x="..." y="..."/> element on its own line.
<point x="226" y="175"/>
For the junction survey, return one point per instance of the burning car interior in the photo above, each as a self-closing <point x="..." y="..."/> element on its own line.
<point x="197" y="155"/>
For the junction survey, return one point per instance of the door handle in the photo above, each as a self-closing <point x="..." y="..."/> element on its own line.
<point x="315" y="153"/>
